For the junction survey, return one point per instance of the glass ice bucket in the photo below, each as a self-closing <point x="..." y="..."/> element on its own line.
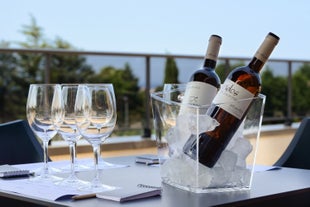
<point x="175" y="123"/>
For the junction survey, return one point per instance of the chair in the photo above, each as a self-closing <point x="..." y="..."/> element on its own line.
<point x="297" y="154"/>
<point x="18" y="144"/>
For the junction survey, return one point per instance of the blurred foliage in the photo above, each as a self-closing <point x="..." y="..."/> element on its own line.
<point x="20" y="70"/>
<point x="171" y="71"/>
<point x="275" y="89"/>
<point x="171" y="74"/>
<point x="129" y="98"/>
<point x="301" y="90"/>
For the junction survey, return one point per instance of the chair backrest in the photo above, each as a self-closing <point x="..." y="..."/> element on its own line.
<point x="297" y="154"/>
<point x="18" y="144"/>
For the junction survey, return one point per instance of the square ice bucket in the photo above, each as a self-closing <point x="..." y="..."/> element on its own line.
<point x="175" y="123"/>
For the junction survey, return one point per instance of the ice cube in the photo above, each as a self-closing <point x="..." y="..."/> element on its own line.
<point x="182" y="129"/>
<point x="186" y="125"/>
<point x="220" y="177"/>
<point x="206" y="123"/>
<point x="227" y="160"/>
<point x="242" y="148"/>
<point x="204" y="176"/>
<point x="170" y="137"/>
<point x="240" y="178"/>
<point x="179" y="170"/>
<point x="229" y="171"/>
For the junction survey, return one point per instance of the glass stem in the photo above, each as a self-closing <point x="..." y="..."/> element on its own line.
<point x="75" y="147"/>
<point x="72" y="146"/>
<point x="45" y="151"/>
<point x="99" y="154"/>
<point x="96" y="149"/>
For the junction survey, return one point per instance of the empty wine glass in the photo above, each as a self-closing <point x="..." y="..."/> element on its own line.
<point x="68" y="131"/>
<point x="95" y="113"/>
<point x="44" y="113"/>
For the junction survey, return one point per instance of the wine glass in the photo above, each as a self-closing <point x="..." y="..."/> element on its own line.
<point x="68" y="131"/>
<point x="95" y="113"/>
<point x="44" y="113"/>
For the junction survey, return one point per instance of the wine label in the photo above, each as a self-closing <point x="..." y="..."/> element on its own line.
<point x="233" y="98"/>
<point x="199" y="93"/>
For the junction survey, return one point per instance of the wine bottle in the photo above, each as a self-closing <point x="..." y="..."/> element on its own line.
<point x="204" y="84"/>
<point x="242" y="83"/>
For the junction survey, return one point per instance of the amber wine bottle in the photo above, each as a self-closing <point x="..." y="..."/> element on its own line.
<point x="242" y="83"/>
<point x="205" y="83"/>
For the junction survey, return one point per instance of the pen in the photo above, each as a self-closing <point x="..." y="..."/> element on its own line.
<point x="84" y="196"/>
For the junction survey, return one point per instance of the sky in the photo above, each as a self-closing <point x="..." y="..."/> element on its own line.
<point x="165" y="26"/>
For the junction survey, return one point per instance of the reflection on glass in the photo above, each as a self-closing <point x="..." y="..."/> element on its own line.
<point x="44" y="114"/>
<point x="96" y="118"/>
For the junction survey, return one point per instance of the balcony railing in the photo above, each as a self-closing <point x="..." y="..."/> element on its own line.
<point x="152" y="65"/>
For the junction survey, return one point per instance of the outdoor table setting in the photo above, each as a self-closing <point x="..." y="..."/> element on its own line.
<point x="173" y="177"/>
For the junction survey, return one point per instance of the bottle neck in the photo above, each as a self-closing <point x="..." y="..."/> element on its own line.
<point x="212" y="52"/>
<point x="209" y="63"/>
<point x="263" y="52"/>
<point x="256" y="64"/>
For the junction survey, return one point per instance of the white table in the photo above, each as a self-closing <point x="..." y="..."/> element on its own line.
<point x="283" y="187"/>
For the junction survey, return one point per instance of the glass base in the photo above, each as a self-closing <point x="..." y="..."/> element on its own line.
<point x="102" y="165"/>
<point x="73" y="182"/>
<point x="106" y="165"/>
<point x="95" y="187"/>
<point x="46" y="178"/>
<point x="77" y="166"/>
<point x="51" y="171"/>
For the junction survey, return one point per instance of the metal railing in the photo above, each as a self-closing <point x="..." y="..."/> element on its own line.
<point x="148" y="70"/>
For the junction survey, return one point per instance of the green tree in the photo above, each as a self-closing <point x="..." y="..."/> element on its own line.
<point x="10" y="95"/>
<point x="68" y="68"/>
<point x="171" y="71"/>
<point x="31" y="64"/>
<point x="63" y="68"/>
<point x="126" y="91"/>
<point x="301" y="90"/>
<point x="18" y="71"/>
<point x="34" y="36"/>
<point x="275" y="89"/>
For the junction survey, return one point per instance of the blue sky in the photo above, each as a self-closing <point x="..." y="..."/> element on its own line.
<point x="165" y="26"/>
